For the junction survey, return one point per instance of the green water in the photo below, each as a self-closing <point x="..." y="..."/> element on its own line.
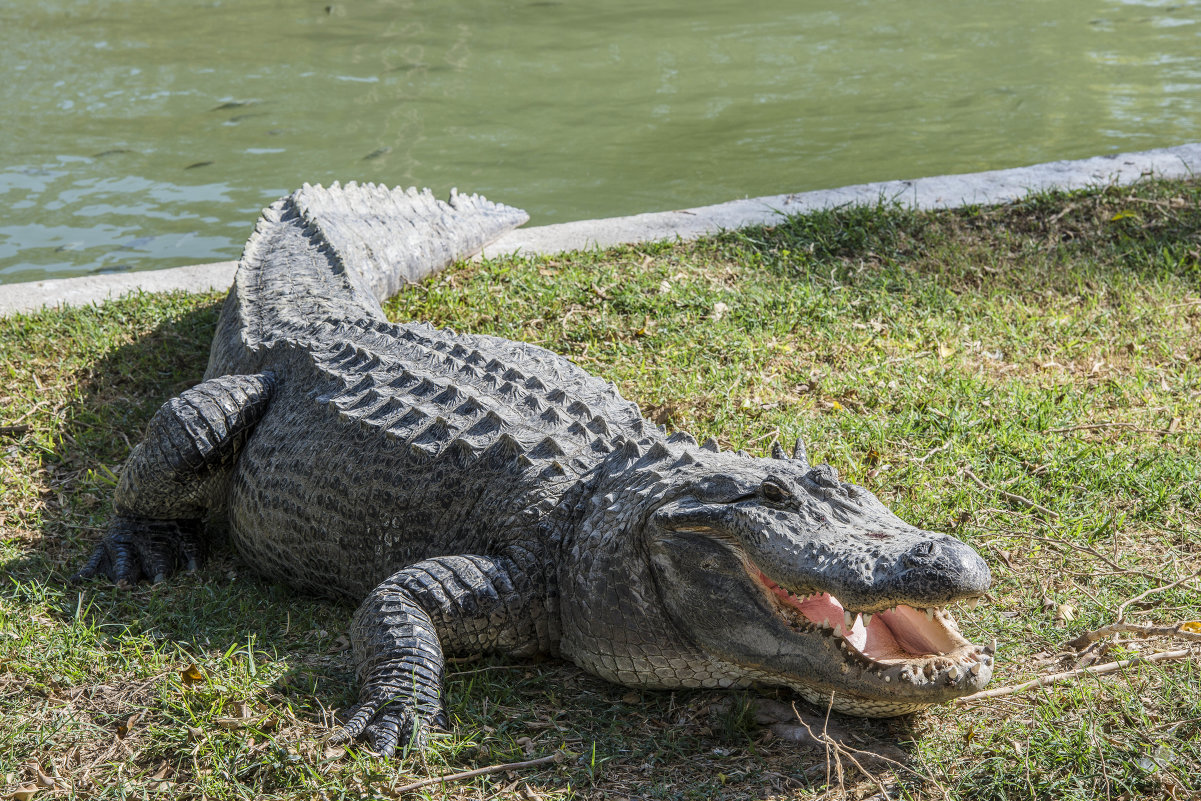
<point x="139" y="135"/>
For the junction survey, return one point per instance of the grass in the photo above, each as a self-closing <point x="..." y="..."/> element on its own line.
<point x="1051" y="347"/>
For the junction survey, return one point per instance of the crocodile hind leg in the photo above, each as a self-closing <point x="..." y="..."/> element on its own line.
<point x="464" y="605"/>
<point x="174" y="476"/>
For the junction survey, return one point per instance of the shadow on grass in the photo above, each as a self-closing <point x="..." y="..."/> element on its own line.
<point x="223" y="610"/>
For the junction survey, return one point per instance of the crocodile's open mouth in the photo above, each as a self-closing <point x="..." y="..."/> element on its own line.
<point x="902" y="643"/>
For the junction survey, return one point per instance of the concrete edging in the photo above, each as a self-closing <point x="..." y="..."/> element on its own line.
<point x="944" y="191"/>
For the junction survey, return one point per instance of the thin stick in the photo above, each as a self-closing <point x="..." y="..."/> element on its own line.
<point x="895" y="360"/>
<point x="1009" y="496"/>
<point x="1130" y="426"/>
<point x="1129" y="571"/>
<point x="933" y="451"/>
<point x="32" y="409"/>
<point x="1152" y="591"/>
<point x="839" y="750"/>
<point x="1055" y="678"/>
<point x="470" y="774"/>
<point x="1146" y="629"/>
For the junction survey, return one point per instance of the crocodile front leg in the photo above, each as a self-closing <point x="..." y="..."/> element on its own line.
<point x="462" y="605"/>
<point x="174" y="476"/>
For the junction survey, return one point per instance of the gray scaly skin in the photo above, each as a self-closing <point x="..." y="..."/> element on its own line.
<point x="481" y="495"/>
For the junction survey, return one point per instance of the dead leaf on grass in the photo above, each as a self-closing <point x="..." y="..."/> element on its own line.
<point x="190" y="675"/>
<point x="126" y="726"/>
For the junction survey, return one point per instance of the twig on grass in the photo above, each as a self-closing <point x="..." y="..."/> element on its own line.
<point x="1055" y="678"/>
<point x="1152" y="591"/>
<point x="839" y="751"/>
<point x="1129" y="426"/>
<point x="896" y="360"/>
<point x="1146" y="629"/>
<point x="1088" y="549"/>
<point x="795" y="728"/>
<point x="933" y="451"/>
<point x="31" y="410"/>
<point x="471" y="774"/>
<point x="1009" y="496"/>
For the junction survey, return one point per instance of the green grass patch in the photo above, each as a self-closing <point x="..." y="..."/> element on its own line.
<point x="1049" y="348"/>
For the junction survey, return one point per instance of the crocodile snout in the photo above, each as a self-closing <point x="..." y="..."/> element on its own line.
<point x="942" y="569"/>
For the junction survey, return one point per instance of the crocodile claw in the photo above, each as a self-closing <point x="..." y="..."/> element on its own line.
<point x="389" y="725"/>
<point x="137" y="548"/>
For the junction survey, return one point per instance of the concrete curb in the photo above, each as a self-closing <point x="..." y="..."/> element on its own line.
<point x="944" y="191"/>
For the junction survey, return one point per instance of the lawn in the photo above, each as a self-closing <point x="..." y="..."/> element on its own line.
<point x="1025" y="377"/>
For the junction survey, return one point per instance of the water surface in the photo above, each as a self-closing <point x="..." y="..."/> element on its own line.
<point x="140" y="135"/>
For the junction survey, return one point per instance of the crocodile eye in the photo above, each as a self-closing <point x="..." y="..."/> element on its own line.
<point x="775" y="492"/>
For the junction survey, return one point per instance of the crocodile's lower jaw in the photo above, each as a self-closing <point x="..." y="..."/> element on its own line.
<point x="900" y="651"/>
<point x="856" y="705"/>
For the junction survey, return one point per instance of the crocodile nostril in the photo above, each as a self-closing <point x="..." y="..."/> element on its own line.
<point x="921" y="555"/>
<point x="824" y="476"/>
<point x="946" y="567"/>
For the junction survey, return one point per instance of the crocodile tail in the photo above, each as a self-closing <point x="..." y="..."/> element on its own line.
<point x="335" y="253"/>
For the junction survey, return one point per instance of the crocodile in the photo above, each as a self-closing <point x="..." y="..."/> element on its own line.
<point x="480" y="495"/>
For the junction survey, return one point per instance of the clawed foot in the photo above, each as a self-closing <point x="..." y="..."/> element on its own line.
<point x="390" y="723"/>
<point x="137" y="547"/>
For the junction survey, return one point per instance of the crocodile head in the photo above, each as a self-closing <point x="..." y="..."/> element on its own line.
<point x="772" y="572"/>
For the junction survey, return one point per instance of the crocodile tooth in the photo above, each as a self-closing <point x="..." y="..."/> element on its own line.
<point x="976" y="668"/>
<point x="848" y="621"/>
<point x="952" y="672"/>
<point x="887" y="678"/>
<point x="991" y="648"/>
<point x="972" y="603"/>
<point x="929" y="613"/>
<point x="867" y="619"/>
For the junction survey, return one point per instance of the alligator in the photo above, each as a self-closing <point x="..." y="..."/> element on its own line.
<point x="480" y="495"/>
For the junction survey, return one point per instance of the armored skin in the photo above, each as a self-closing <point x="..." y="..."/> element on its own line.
<point x="478" y="495"/>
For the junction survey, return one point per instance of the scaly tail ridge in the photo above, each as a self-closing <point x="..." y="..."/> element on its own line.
<point x="336" y="252"/>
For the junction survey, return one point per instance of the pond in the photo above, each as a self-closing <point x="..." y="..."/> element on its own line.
<point x="140" y="134"/>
